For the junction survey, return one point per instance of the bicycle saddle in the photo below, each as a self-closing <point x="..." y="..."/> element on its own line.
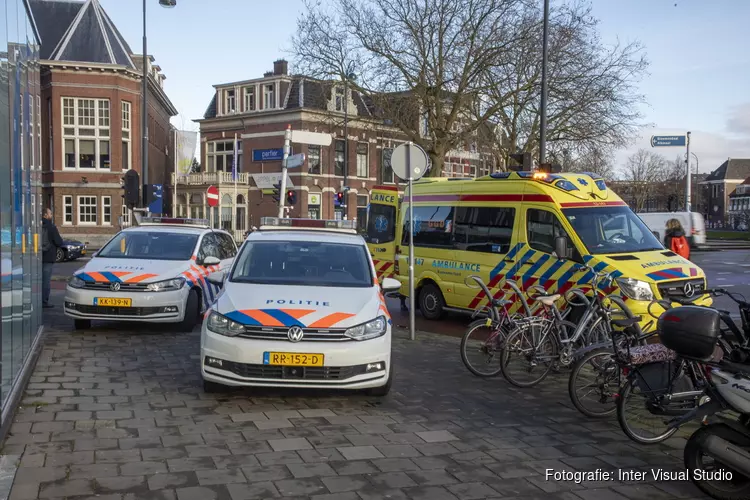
<point x="548" y="300"/>
<point x="500" y="302"/>
<point x="626" y="322"/>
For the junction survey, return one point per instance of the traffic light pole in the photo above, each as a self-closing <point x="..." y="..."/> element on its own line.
<point x="287" y="148"/>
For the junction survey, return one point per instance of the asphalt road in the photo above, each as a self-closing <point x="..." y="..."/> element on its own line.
<point x="728" y="269"/>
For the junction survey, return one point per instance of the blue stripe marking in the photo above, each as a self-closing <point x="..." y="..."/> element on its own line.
<point x="539" y="263"/>
<point x="85" y="277"/>
<point x="502" y="263"/>
<point x="600" y="267"/>
<point x="285" y="318"/>
<point x="513" y="270"/>
<point x="586" y="278"/>
<point x="242" y="318"/>
<point x="552" y="270"/>
<point x="676" y="273"/>
<point x="587" y="258"/>
<point x="567" y="275"/>
<point x="111" y="277"/>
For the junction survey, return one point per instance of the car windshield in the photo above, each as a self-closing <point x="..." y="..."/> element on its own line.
<point x="151" y="245"/>
<point x="611" y="230"/>
<point x="303" y="263"/>
<point x="381" y="227"/>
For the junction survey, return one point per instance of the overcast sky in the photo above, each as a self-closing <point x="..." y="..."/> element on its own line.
<point x="699" y="51"/>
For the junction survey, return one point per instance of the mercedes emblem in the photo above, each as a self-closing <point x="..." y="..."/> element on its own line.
<point x="688" y="289"/>
<point x="115" y="287"/>
<point x="295" y="334"/>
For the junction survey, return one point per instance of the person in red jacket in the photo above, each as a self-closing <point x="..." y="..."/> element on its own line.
<point x="675" y="239"/>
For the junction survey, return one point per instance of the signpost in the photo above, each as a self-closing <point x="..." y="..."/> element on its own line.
<point x="409" y="162"/>
<point x="212" y="196"/>
<point x="295" y="161"/>
<point x="677" y="141"/>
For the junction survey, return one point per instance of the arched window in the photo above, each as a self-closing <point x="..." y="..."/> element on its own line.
<point x="226" y="213"/>
<point x="241" y="211"/>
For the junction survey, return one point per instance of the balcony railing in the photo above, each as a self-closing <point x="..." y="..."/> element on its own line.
<point x="211" y="178"/>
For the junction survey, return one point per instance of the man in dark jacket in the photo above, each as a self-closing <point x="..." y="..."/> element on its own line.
<point x="51" y="241"/>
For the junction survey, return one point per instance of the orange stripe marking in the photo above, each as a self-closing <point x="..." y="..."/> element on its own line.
<point x="330" y="320"/>
<point x="99" y="277"/>
<point x="297" y="313"/>
<point x="120" y="274"/>
<point x="140" y="277"/>
<point x="262" y="318"/>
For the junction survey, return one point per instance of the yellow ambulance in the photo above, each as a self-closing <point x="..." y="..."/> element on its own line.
<point x="382" y="215"/>
<point x="512" y="225"/>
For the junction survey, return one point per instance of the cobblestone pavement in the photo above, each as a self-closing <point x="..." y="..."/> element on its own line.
<point x="119" y="414"/>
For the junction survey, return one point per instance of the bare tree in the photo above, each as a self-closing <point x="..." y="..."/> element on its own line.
<point x="644" y="173"/>
<point x="595" y="160"/>
<point x="593" y="98"/>
<point x="422" y="65"/>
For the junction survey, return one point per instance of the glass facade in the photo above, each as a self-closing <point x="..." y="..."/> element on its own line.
<point x="20" y="190"/>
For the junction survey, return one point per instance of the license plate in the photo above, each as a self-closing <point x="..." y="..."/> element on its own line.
<point x="292" y="359"/>
<point x="112" y="302"/>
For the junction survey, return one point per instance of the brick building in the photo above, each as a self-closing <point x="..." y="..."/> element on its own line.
<point x="721" y="183"/>
<point x="257" y="112"/>
<point x="91" y="117"/>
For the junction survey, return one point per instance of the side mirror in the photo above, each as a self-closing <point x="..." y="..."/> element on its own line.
<point x="210" y="261"/>
<point x="390" y="285"/>
<point x="561" y="247"/>
<point x="216" y="278"/>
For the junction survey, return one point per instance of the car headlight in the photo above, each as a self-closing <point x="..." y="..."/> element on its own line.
<point x="635" y="289"/>
<point x="166" y="285"/>
<point x="369" y="330"/>
<point x="218" y="323"/>
<point x="76" y="282"/>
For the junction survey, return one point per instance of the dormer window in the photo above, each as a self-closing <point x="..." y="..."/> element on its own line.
<point x="339" y="99"/>
<point x="230" y="101"/>
<point x="269" y="96"/>
<point x="249" y="98"/>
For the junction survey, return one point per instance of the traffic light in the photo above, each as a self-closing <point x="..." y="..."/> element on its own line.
<point x="276" y="191"/>
<point x="520" y="162"/>
<point x="340" y="199"/>
<point x="291" y="197"/>
<point x="131" y="185"/>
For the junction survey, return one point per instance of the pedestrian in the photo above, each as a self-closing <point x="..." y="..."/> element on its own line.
<point x="675" y="240"/>
<point x="51" y="241"/>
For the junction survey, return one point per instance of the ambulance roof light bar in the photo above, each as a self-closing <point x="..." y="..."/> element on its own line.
<point x="270" y="223"/>
<point x="156" y="221"/>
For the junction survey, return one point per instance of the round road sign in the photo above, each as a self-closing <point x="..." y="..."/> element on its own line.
<point x="409" y="160"/>
<point x="212" y="196"/>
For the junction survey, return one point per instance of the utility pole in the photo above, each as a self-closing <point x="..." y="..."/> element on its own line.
<point x="687" y="177"/>
<point x="543" y="107"/>
<point x="346" y="146"/>
<point x="144" y="112"/>
<point x="282" y="189"/>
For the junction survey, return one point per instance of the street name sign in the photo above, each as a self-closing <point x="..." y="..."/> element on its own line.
<point x="667" y="141"/>
<point x="313" y="138"/>
<point x="295" y="161"/>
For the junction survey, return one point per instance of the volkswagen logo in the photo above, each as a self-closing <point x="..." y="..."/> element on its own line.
<point x="115" y="287"/>
<point x="295" y="334"/>
<point x="688" y="289"/>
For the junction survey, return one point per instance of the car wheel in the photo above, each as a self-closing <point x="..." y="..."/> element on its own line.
<point x="383" y="390"/>
<point x="82" y="324"/>
<point x="191" y="313"/>
<point x="431" y="302"/>
<point x="212" y="387"/>
<point x="60" y="255"/>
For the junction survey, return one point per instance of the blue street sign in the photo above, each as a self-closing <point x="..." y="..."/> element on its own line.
<point x="668" y="141"/>
<point x="156" y="206"/>
<point x="276" y="154"/>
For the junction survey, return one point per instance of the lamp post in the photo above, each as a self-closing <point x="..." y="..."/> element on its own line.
<point x="349" y="76"/>
<point x="543" y="107"/>
<point x="144" y="96"/>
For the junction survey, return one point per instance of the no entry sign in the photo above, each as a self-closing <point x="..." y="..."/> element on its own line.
<point x="212" y="196"/>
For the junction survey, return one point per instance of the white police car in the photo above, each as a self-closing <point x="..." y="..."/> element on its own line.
<point x="153" y="272"/>
<point x="301" y="307"/>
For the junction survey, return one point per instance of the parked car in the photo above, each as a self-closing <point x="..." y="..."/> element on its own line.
<point x="693" y="223"/>
<point x="71" y="250"/>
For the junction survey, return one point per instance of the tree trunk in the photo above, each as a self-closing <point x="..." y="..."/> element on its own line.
<point x="437" y="158"/>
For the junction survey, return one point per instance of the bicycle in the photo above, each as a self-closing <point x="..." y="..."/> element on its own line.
<point x="494" y="328"/>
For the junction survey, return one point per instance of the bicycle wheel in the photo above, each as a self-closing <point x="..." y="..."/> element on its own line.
<point x="481" y="348"/>
<point x="596" y="374"/>
<point x="534" y="355"/>
<point x="632" y="401"/>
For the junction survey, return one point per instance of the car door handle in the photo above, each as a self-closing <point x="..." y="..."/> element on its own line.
<point x="529" y="263"/>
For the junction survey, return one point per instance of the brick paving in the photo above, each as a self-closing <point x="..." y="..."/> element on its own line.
<point x="115" y="414"/>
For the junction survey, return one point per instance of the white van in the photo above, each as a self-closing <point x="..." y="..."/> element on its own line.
<point x="692" y="222"/>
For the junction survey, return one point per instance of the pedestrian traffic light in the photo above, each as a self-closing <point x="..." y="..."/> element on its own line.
<point x="291" y="197"/>
<point x="338" y="199"/>
<point x="276" y="191"/>
<point x="131" y="185"/>
<point x="520" y="162"/>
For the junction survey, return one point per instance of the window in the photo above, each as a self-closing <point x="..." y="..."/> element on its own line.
<point x="67" y="210"/>
<point x="269" y="96"/>
<point x="106" y="210"/>
<point x="249" y="98"/>
<point x="386" y="170"/>
<point x="425" y="124"/>
<point x="610" y="230"/>
<point x="313" y="159"/>
<point x="303" y="263"/>
<point x="125" y="155"/>
<point x="87" y="210"/>
<point x="156" y="245"/>
<point x="362" y="200"/>
<point x="363" y="169"/>
<point x="125" y="219"/>
<point x="484" y="229"/>
<point x="220" y="155"/>
<point x="433" y="227"/>
<point x="229" y="101"/>
<point x="338" y="161"/>
<point x="86" y="135"/>
<point x="210" y="247"/>
<point x="381" y="224"/>
<point x="542" y="228"/>
<point x="227" y="247"/>
<point x="339" y="99"/>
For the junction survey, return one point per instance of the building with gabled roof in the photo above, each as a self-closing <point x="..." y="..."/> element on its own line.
<point x="721" y="183"/>
<point x="91" y="117"/>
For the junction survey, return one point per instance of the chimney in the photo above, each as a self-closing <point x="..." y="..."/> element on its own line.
<point x="280" y="67"/>
<point x="267" y="74"/>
